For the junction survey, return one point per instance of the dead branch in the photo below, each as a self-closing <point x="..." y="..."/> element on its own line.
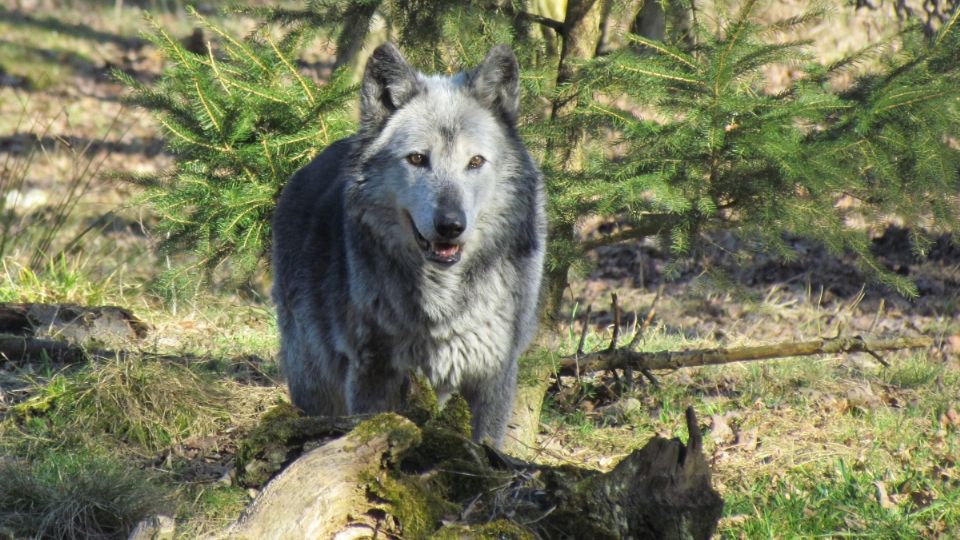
<point x="650" y="225"/>
<point x="553" y="24"/>
<point x="619" y="358"/>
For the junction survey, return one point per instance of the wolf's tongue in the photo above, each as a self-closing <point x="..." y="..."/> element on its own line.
<point x="445" y="250"/>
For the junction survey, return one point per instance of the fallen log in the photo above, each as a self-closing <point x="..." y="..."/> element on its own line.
<point x="65" y="333"/>
<point x="18" y="349"/>
<point x="71" y="322"/>
<point x="390" y="478"/>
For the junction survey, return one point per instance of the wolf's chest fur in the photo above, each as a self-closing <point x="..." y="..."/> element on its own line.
<point x="446" y="326"/>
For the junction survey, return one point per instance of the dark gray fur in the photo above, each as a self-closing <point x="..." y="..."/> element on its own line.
<point x="360" y="305"/>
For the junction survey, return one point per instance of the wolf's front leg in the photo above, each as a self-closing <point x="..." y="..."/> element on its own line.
<point x="491" y="403"/>
<point x="375" y="387"/>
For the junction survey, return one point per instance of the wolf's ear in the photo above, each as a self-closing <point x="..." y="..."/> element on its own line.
<point x="388" y="83"/>
<point x="496" y="82"/>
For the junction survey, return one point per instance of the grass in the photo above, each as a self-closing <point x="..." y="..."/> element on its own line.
<point x="143" y="403"/>
<point x="71" y="496"/>
<point x="800" y="448"/>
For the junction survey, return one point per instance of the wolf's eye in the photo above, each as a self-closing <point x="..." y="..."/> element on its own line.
<point x="417" y="159"/>
<point x="476" y="162"/>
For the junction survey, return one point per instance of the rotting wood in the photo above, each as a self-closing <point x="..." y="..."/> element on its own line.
<point x="18" y="349"/>
<point x="322" y="492"/>
<point x="390" y="478"/>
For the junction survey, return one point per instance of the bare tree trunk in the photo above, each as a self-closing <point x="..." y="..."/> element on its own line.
<point x="356" y="26"/>
<point x="581" y="33"/>
<point x="524" y="423"/>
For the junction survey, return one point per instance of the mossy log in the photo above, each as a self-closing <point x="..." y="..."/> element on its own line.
<point x="389" y="478"/>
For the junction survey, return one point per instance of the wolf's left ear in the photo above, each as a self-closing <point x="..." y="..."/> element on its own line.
<point x="496" y="82"/>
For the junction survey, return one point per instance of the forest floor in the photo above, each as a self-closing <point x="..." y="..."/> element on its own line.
<point x="800" y="447"/>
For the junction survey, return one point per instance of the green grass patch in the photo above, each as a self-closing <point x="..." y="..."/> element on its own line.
<point x="61" y="280"/>
<point x="76" y="496"/>
<point x="146" y="404"/>
<point x="209" y="509"/>
<point x="914" y="372"/>
<point x="838" y="503"/>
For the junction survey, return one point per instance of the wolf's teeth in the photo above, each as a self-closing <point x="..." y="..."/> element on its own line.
<point x="446" y="250"/>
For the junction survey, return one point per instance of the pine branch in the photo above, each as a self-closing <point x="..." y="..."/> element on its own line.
<point x="651" y="225"/>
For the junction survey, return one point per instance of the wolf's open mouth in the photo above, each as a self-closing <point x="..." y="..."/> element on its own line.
<point x="443" y="253"/>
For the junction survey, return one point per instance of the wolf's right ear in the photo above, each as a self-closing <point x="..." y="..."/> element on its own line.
<point x="388" y="83"/>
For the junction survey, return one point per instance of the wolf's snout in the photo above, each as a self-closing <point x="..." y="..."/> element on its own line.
<point x="450" y="224"/>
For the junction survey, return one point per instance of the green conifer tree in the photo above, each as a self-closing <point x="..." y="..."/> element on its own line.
<point x="722" y="152"/>
<point x="240" y="120"/>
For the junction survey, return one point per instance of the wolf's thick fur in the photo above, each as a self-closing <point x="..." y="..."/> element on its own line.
<point x="416" y="244"/>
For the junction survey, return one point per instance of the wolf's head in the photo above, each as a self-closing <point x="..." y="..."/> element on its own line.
<point x="439" y="156"/>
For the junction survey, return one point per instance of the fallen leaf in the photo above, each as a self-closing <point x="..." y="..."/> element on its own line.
<point x="720" y="430"/>
<point x="862" y="397"/>
<point x="882" y="497"/>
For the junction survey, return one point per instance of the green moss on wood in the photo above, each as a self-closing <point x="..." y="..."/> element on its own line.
<point x="455" y="416"/>
<point x="421" y="405"/>
<point x="278" y="438"/>
<point x="401" y="433"/>
<point x="417" y="508"/>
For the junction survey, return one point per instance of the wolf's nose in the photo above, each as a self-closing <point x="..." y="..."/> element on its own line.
<point x="449" y="225"/>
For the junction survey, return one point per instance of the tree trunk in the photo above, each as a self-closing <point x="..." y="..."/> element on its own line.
<point x="356" y="26"/>
<point x="581" y="33"/>
<point x="524" y="423"/>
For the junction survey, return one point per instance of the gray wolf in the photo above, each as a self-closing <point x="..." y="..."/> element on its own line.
<point x="415" y="245"/>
